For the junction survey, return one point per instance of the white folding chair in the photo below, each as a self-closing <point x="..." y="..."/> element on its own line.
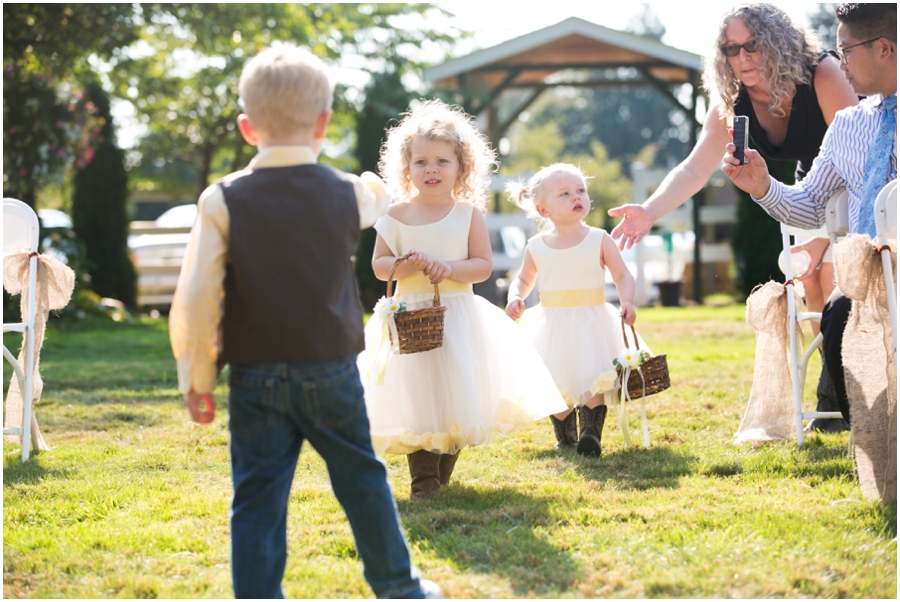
<point x="836" y="225"/>
<point x="20" y="233"/>
<point x="886" y="235"/>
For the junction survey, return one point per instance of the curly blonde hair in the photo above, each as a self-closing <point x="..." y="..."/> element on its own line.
<point x="787" y="53"/>
<point x="528" y="195"/>
<point x="438" y="121"/>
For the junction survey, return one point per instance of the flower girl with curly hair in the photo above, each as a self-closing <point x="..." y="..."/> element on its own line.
<point x="576" y="332"/>
<point x="485" y="380"/>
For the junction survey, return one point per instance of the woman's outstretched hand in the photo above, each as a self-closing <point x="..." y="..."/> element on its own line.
<point x="634" y="225"/>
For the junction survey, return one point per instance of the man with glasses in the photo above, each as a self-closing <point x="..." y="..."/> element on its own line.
<point x="859" y="152"/>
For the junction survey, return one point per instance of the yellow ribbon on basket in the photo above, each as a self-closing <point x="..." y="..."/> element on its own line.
<point x="625" y="395"/>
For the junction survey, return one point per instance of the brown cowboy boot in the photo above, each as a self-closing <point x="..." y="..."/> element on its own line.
<point x="448" y="461"/>
<point x="592" y="420"/>
<point x="424" y="468"/>
<point x="566" y="431"/>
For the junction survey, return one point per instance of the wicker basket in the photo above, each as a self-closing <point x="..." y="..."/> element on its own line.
<point x="419" y="329"/>
<point x="655" y="371"/>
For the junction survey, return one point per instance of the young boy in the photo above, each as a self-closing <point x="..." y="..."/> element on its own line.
<point x="268" y="287"/>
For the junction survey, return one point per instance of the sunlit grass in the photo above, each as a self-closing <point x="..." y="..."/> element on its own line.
<point x="133" y="499"/>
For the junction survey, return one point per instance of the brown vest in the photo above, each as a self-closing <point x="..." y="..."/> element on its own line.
<point x="290" y="288"/>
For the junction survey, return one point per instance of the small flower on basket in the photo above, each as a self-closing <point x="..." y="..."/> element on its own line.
<point x="631" y="358"/>
<point x="387" y="306"/>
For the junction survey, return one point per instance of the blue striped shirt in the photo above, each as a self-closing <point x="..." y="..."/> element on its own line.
<point x="841" y="162"/>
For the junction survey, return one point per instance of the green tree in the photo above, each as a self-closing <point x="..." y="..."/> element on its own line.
<point x="45" y="49"/>
<point x="99" y="213"/>
<point x="184" y="88"/>
<point x="823" y="22"/>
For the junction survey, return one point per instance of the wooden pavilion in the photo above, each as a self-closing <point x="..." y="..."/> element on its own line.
<point x="571" y="53"/>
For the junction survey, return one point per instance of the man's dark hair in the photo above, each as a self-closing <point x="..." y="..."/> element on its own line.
<point x="867" y="21"/>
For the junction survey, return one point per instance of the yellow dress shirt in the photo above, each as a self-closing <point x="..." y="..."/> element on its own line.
<point x="197" y="307"/>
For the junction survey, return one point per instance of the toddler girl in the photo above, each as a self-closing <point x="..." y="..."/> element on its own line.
<point x="575" y="331"/>
<point x="485" y="380"/>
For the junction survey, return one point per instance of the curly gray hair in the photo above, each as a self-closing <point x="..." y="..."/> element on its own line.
<point x="787" y="53"/>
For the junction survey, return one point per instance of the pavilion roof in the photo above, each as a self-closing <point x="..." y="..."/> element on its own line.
<point x="571" y="44"/>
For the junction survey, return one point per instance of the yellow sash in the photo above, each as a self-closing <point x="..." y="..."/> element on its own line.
<point x="419" y="283"/>
<point x="569" y="299"/>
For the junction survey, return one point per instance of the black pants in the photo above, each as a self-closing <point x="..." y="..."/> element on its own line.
<point x="834" y="322"/>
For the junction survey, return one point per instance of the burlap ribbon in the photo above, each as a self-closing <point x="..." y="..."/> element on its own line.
<point x="55" y="282"/>
<point x="770" y="412"/>
<point x="870" y="365"/>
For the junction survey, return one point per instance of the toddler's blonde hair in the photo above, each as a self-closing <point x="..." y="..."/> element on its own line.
<point x="285" y="89"/>
<point x="527" y="195"/>
<point x="437" y="121"/>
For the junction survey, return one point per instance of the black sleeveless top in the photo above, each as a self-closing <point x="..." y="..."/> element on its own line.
<point x="805" y="131"/>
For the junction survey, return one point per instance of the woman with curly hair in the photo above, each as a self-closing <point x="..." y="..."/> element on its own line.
<point x="767" y="68"/>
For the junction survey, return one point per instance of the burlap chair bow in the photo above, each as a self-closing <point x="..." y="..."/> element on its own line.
<point x="55" y="282"/>
<point x="770" y="412"/>
<point x="870" y="365"/>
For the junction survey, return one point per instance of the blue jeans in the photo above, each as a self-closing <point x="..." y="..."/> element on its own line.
<point x="273" y="408"/>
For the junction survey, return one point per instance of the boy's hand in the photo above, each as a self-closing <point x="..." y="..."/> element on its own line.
<point x="437" y="271"/>
<point x="627" y="312"/>
<point x="201" y="407"/>
<point x="515" y="308"/>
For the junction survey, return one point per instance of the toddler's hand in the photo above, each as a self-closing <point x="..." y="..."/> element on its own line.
<point x="627" y="312"/>
<point x="417" y="261"/>
<point x="204" y="414"/>
<point x="515" y="308"/>
<point x="437" y="271"/>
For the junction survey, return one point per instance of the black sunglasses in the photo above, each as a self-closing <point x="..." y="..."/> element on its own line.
<point x="735" y="49"/>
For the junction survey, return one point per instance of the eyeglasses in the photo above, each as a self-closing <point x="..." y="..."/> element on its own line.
<point x="841" y="51"/>
<point x="735" y="49"/>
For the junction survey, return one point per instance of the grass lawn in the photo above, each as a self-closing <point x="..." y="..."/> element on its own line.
<point x="133" y="499"/>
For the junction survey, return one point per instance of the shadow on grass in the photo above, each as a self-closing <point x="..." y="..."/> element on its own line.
<point x="659" y="467"/>
<point x="493" y="531"/>
<point x="16" y="472"/>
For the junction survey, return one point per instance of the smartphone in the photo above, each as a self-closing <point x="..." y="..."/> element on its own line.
<point x="741" y="126"/>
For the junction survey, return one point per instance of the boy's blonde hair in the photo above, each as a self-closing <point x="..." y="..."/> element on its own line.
<point x="527" y="196"/>
<point x="437" y="121"/>
<point x="285" y="89"/>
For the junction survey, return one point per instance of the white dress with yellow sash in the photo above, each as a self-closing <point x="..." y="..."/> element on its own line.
<point x="576" y="332"/>
<point x="484" y="382"/>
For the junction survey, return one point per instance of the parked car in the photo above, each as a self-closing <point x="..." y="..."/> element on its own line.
<point x="158" y="256"/>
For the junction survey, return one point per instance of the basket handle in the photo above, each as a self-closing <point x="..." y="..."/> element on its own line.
<point x="390" y="281"/>
<point x="633" y="334"/>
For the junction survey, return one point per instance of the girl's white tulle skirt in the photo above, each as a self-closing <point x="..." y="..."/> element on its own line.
<point x="484" y="382"/>
<point x="578" y="346"/>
